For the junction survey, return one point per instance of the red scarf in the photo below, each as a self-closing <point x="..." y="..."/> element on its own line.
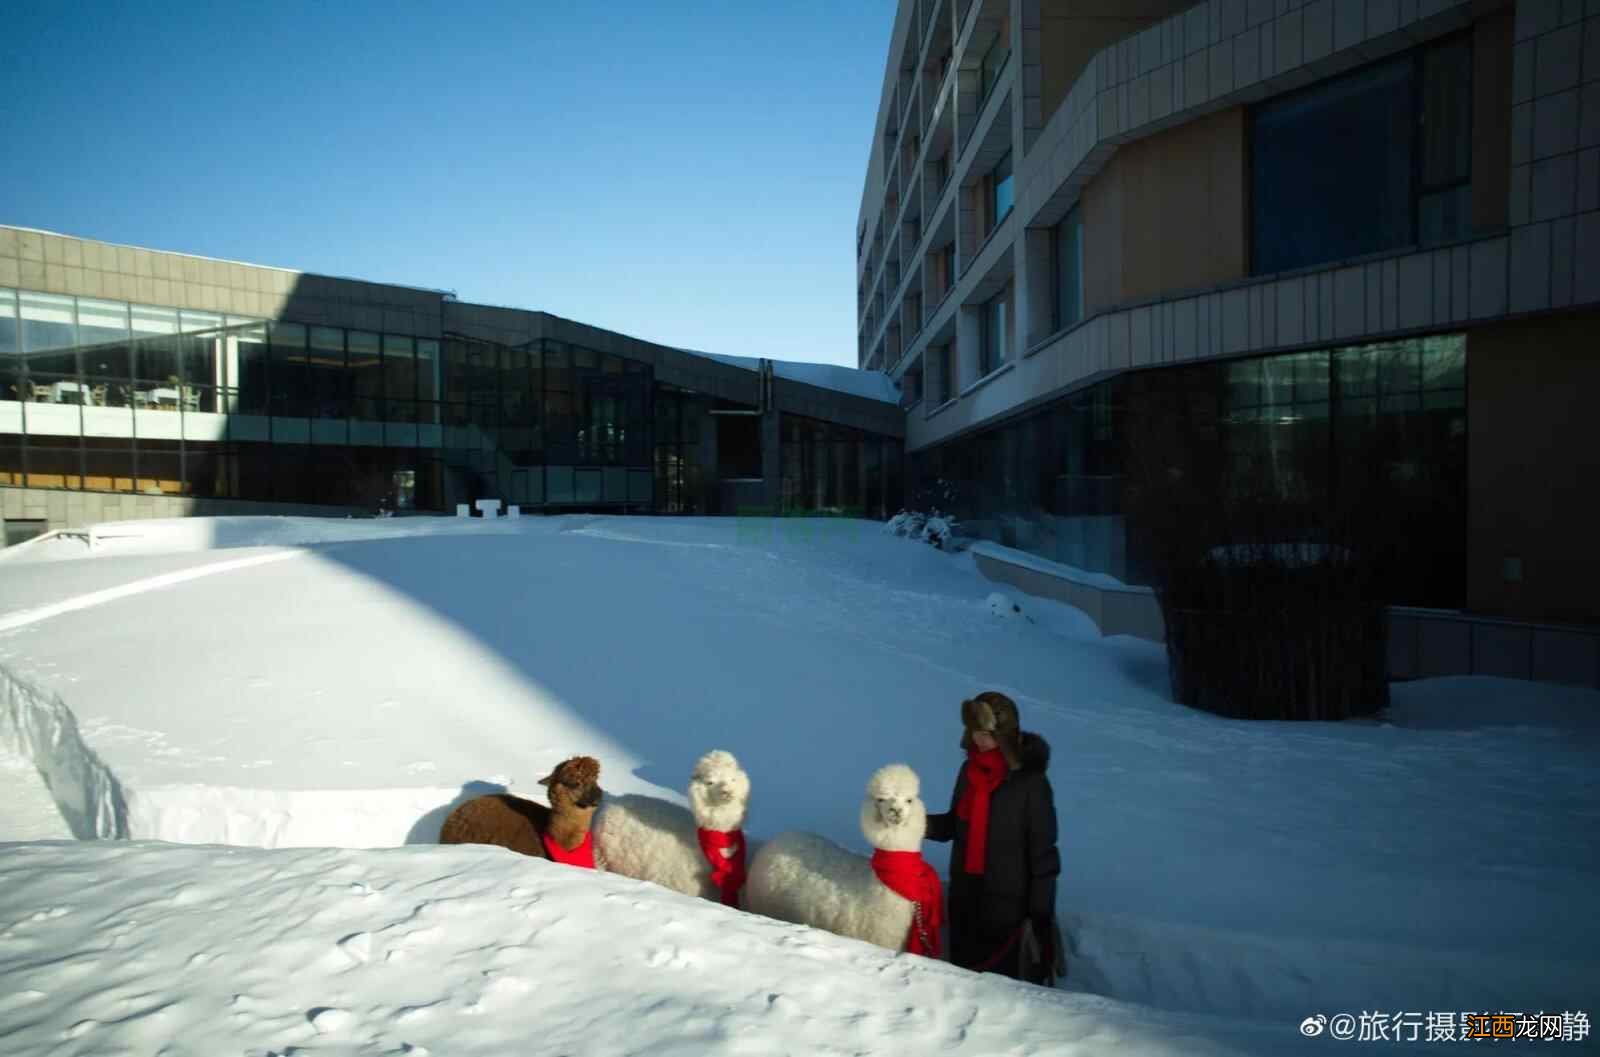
<point x="985" y="771"/>
<point x="727" y="871"/>
<point x="904" y="873"/>
<point x="582" y="855"/>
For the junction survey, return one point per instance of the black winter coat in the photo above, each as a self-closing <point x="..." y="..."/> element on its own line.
<point x="1021" y="864"/>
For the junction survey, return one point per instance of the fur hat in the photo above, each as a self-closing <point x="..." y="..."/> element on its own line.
<point x="994" y="713"/>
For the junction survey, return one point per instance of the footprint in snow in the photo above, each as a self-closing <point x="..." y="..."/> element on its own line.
<point x="327" y="1019"/>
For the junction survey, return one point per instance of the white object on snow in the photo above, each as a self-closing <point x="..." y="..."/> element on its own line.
<point x="513" y="511"/>
<point x="463" y="510"/>
<point x="810" y="880"/>
<point x="651" y="839"/>
<point x="1003" y="605"/>
<point x="489" y="508"/>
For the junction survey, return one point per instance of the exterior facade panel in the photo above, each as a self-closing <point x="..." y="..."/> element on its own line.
<point x="1244" y="189"/>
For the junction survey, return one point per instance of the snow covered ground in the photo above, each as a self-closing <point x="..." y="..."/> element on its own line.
<point x="188" y="683"/>
<point x="151" y="948"/>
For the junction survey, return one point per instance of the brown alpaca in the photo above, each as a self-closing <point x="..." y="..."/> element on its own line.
<point x="512" y="822"/>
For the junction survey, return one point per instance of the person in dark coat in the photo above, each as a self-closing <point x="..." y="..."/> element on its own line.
<point x="1004" y="864"/>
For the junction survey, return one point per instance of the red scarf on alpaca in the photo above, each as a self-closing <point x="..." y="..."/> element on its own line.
<point x="727" y="871"/>
<point x="905" y="874"/>
<point x="582" y="855"/>
<point x="985" y="771"/>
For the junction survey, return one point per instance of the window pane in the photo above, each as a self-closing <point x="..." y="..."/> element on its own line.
<point x="1400" y="367"/>
<point x="10" y="354"/>
<point x="291" y="381"/>
<point x="1331" y="170"/>
<point x="427" y="369"/>
<point x="366" y="379"/>
<point x="156" y="358"/>
<point x="248" y="348"/>
<point x="399" y="378"/>
<point x="1445" y="216"/>
<point x="103" y="335"/>
<point x="1069" y="270"/>
<point x="1444" y="362"/>
<point x="48" y="333"/>
<point x="200" y="357"/>
<point x="1447" y="113"/>
<point x="399" y="368"/>
<point x="1002" y="189"/>
<point x="193" y="321"/>
<point x="330" y="395"/>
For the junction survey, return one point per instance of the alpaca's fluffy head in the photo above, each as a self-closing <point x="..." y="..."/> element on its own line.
<point x="574" y="786"/>
<point x="719" y="792"/>
<point x="893" y="816"/>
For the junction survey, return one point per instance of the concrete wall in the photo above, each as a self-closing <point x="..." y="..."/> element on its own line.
<point x="67" y="510"/>
<point x="1423" y="643"/>
<point x="1167" y="215"/>
<point x="1534" y="468"/>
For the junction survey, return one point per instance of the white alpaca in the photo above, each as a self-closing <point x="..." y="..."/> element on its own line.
<point x="809" y="880"/>
<point x="651" y="839"/>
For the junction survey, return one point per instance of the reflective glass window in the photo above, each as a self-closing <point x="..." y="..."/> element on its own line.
<point x="365" y="364"/>
<point x="1068" y="261"/>
<point x="1331" y="169"/>
<point x="252" y="357"/>
<point x="400" y="378"/>
<point x="49" y="334"/>
<point x="103" y="337"/>
<point x="328" y="383"/>
<point x="291" y="371"/>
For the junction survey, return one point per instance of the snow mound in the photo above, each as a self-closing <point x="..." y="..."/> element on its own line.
<point x="471" y="951"/>
<point x="193" y="534"/>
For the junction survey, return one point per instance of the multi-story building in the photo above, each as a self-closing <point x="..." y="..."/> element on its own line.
<point x="1326" y="220"/>
<point x="137" y="383"/>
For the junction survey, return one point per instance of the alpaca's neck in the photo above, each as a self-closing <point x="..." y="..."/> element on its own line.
<point x="723" y="818"/>
<point x="569" y="826"/>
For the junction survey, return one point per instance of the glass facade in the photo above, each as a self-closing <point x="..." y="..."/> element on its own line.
<point x="116" y="397"/>
<point x="1375" y="160"/>
<point x="1388" y="416"/>
<point x="833" y="469"/>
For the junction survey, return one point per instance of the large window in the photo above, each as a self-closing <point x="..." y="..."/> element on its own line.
<point x="994" y="60"/>
<point x="1375" y="160"/>
<point x="1067" y="264"/>
<point x="944" y="362"/>
<point x="1001" y="188"/>
<point x="1385" y="420"/>
<point x="995" y="339"/>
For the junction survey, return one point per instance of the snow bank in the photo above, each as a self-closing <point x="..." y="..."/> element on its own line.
<point x="191" y="534"/>
<point x="477" y="952"/>
<point x="1214" y="865"/>
<point x="27" y="810"/>
<point x="37" y="726"/>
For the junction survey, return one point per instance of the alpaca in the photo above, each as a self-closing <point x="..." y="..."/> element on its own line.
<point x="651" y="839"/>
<point x="559" y="832"/>
<point x="806" y="879"/>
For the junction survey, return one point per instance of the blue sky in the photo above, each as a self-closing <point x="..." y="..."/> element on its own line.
<point x="687" y="172"/>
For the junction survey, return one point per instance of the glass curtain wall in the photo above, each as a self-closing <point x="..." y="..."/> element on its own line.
<point x="109" y="396"/>
<point x="834" y="469"/>
<point x="547" y="423"/>
<point x="1325" y="424"/>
